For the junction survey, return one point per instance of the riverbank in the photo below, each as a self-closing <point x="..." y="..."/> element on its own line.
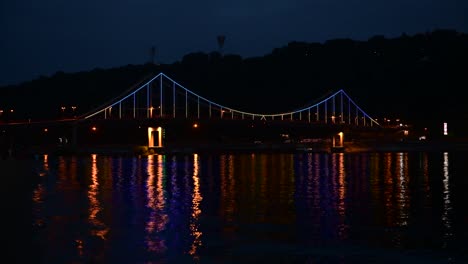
<point x="20" y="152"/>
<point x="406" y="146"/>
<point x="349" y="147"/>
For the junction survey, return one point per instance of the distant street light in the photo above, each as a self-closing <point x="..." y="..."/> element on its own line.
<point x="73" y="110"/>
<point x="151" y="111"/>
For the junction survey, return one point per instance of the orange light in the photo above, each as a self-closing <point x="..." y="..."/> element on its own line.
<point x="195" y="125"/>
<point x="45" y="130"/>
<point x="93" y="128"/>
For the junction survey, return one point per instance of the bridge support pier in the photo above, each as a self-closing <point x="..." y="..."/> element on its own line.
<point x="338" y="147"/>
<point x="151" y="137"/>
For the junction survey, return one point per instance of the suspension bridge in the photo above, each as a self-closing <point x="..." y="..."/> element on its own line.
<point x="162" y="97"/>
<point x="161" y="112"/>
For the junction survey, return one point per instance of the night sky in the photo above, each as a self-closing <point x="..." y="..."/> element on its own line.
<point x="43" y="37"/>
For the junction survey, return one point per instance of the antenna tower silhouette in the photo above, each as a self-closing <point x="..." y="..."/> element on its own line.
<point x="221" y="39"/>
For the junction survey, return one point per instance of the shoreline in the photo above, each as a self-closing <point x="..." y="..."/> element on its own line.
<point x="349" y="147"/>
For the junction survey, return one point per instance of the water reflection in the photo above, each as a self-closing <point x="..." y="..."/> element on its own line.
<point x="396" y="194"/>
<point x="321" y="197"/>
<point x="228" y="184"/>
<point x="402" y="189"/>
<point x="132" y="189"/>
<point x="39" y="193"/>
<point x="158" y="218"/>
<point x="209" y="208"/>
<point x="447" y="208"/>
<point x="45" y="164"/>
<point x="98" y="228"/>
<point x="424" y="166"/>
<point x="118" y="172"/>
<point x="196" y="211"/>
<point x="388" y="189"/>
<point x="341" y="207"/>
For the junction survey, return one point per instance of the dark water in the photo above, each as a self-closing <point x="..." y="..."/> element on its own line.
<point x="242" y="208"/>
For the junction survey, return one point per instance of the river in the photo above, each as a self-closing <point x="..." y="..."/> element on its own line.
<point x="377" y="207"/>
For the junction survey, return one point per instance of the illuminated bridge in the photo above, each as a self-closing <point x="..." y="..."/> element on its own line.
<point x="161" y="112"/>
<point x="162" y="97"/>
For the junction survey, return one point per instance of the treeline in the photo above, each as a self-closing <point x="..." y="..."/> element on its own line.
<point x="417" y="78"/>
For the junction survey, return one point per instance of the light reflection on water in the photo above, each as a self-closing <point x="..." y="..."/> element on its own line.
<point x="447" y="203"/>
<point x="97" y="226"/>
<point x="196" y="211"/>
<point x="158" y="218"/>
<point x="334" y="207"/>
